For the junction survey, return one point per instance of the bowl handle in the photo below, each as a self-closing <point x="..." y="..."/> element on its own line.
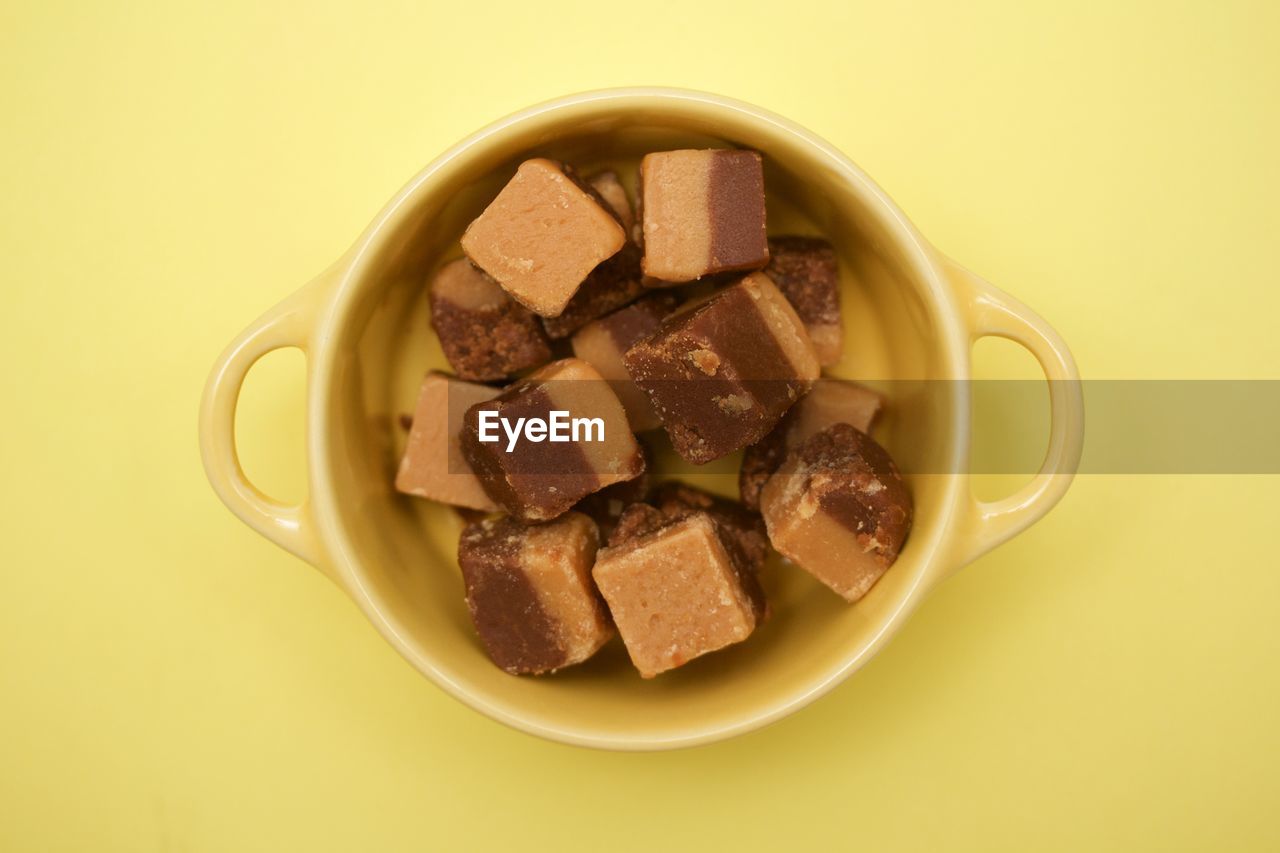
<point x="992" y="312"/>
<point x="290" y="324"/>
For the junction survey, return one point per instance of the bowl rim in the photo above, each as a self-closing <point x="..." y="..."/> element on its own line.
<point x="925" y="268"/>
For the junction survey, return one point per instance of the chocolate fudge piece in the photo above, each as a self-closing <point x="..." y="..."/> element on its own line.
<point x="484" y="334"/>
<point x="830" y="401"/>
<point x="804" y="268"/>
<point x="542" y="235"/>
<point x="603" y="343"/>
<point x="838" y="509"/>
<point x="433" y="465"/>
<point x="530" y="592"/>
<point x="702" y="213"/>
<point x="674" y="592"/>
<point x="722" y="372"/>
<point x="529" y="471"/>
<point x="612" y="284"/>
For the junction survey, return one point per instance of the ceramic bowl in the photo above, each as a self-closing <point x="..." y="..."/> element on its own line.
<point x="911" y="314"/>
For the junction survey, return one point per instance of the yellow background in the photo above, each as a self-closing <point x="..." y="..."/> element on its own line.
<point x="170" y="681"/>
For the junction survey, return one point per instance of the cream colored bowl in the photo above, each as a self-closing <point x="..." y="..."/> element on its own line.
<point x="911" y="313"/>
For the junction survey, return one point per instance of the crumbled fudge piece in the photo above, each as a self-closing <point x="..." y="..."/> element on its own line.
<point x="603" y="343"/>
<point x="542" y="235"/>
<point x="804" y="268"/>
<point x="536" y="464"/>
<point x="530" y="592"/>
<point x="674" y="593"/>
<point x="830" y="401"/>
<point x="838" y="509"/>
<point x="721" y="373"/>
<point x="605" y="507"/>
<point x="612" y="284"/>
<point x="484" y="334"/>
<point x="702" y="212"/>
<point x="433" y="465"/>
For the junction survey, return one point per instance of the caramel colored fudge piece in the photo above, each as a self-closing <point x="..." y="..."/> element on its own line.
<point x="743" y="532"/>
<point x="829" y="402"/>
<point x="702" y="213"/>
<point x="804" y="268"/>
<point x="550" y="440"/>
<point x="838" y="509"/>
<point x="676" y="500"/>
<point x="542" y="235"/>
<point x="433" y="466"/>
<point x="723" y="372"/>
<point x="612" y="284"/>
<point x="530" y="592"/>
<point x="604" y="342"/>
<point x="674" y="593"/>
<point x="484" y="334"/>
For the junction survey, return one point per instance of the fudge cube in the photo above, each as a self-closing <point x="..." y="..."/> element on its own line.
<point x="485" y="335"/>
<point x="702" y="213"/>
<point x="674" y="593"/>
<point x="530" y="592"/>
<point x="744" y="528"/>
<point x="838" y="509"/>
<point x="741" y="532"/>
<point x="612" y="284"/>
<point x="603" y="342"/>
<point x="722" y="372"/>
<point x="433" y="466"/>
<point x="804" y="269"/>
<point x="550" y="440"/>
<point x="542" y="235"/>
<point x="829" y="401"/>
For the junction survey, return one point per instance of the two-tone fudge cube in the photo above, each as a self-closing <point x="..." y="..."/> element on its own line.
<point x="721" y="373"/>
<point x="829" y="402"/>
<point x="550" y="440"/>
<point x="433" y="466"/>
<point x="612" y="284"/>
<point x="702" y="212"/>
<point x="674" y="590"/>
<point x="484" y="334"/>
<point x="603" y="343"/>
<point x="530" y="593"/>
<point x="838" y="508"/>
<point x="542" y="235"/>
<point x="804" y="269"/>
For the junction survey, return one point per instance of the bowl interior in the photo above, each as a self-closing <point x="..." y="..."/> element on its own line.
<point x="400" y="552"/>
